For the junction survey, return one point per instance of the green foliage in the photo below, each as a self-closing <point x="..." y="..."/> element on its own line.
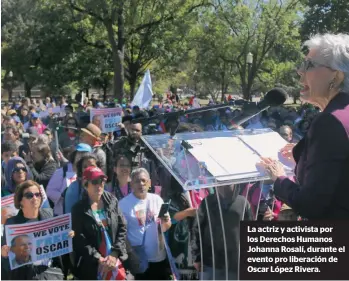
<point x="197" y="45"/>
<point x="324" y="16"/>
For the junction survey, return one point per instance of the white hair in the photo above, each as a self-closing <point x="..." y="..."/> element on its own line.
<point x="139" y="171"/>
<point x="334" y="51"/>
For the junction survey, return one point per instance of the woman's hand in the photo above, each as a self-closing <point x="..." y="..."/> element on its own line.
<point x="269" y="215"/>
<point x="121" y="125"/>
<point x="4" y="251"/>
<point x="286" y="151"/>
<point x="108" y="263"/>
<point x="71" y="234"/>
<point x="274" y="168"/>
<point x="27" y="157"/>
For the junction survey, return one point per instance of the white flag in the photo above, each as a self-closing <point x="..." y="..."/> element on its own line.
<point x="144" y="93"/>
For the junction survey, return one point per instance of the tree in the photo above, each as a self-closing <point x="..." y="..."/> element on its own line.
<point x="156" y="32"/>
<point x="257" y="27"/>
<point x="110" y="15"/>
<point x="20" y="53"/>
<point x="38" y="42"/>
<point x="324" y="16"/>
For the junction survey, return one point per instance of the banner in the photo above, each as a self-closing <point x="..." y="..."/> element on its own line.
<point x="144" y="93"/>
<point x="37" y="242"/>
<point x="106" y="118"/>
<point x="53" y="110"/>
<point x="8" y="209"/>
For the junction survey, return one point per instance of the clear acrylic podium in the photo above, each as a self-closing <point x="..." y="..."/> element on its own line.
<point x="211" y="159"/>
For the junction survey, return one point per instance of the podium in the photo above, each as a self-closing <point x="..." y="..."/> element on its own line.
<point x="218" y="158"/>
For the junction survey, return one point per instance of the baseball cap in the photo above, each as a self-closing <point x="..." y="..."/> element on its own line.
<point x="34" y="115"/>
<point x="11" y="112"/>
<point x="83" y="147"/>
<point x="92" y="173"/>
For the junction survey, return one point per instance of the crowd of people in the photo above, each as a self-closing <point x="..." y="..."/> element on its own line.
<point x="117" y="192"/>
<point x="109" y="182"/>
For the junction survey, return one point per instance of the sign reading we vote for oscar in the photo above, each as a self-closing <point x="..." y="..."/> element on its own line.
<point x="38" y="241"/>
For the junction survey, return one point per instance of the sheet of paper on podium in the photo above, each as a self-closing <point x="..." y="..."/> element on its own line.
<point x="268" y="145"/>
<point x="226" y="158"/>
<point x="230" y="158"/>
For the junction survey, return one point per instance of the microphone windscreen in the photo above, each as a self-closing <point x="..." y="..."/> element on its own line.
<point x="275" y="97"/>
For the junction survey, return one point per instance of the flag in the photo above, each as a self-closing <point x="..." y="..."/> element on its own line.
<point x="144" y="93"/>
<point x="105" y="249"/>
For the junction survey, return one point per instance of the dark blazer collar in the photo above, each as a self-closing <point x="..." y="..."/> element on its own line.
<point x="44" y="214"/>
<point x="339" y="101"/>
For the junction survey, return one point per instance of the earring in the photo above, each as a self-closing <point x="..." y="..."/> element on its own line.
<point x="331" y="85"/>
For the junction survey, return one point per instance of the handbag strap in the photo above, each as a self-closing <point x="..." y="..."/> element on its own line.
<point x="145" y="225"/>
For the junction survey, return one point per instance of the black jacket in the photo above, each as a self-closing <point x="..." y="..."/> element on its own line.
<point x="232" y="214"/>
<point x="42" y="173"/>
<point x="87" y="231"/>
<point x="322" y="170"/>
<point x="26" y="272"/>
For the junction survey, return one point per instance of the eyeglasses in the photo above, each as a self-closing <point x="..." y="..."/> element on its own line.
<point x="97" y="181"/>
<point x="19" y="169"/>
<point x="30" y="195"/>
<point x="71" y="124"/>
<point x="307" y="65"/>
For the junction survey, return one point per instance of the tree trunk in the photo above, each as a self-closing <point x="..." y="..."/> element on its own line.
<point x="28" y="90"/>
<point x="294" y="99"/>
<point x="10" y="94"/>
<point x="104" y="93"/>
<point x="118" y="55"/>
<point x="132" y="87"/>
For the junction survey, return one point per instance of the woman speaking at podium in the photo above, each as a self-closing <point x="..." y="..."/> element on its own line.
<point x="321" y="190"/>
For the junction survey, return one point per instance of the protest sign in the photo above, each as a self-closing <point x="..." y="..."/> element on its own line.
<point x="38" y="241"/>
<point x="7" y="209"/>
<point x="106" y="118"/>
<point x="53" y="110"/>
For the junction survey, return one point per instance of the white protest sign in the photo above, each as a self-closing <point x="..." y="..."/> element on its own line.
<point x="53" y="110"/>
<point x="106" y="118"/>
<point x="38" y="241"/>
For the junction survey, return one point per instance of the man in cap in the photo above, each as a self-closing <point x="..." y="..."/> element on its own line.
<point x="91" y="135"/>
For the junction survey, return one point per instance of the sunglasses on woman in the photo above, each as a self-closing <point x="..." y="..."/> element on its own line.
<point x="307" y="65"/>
<point x="97" y="181"/>
<point x="30" y="195"/>
<point x="19" y="169"/>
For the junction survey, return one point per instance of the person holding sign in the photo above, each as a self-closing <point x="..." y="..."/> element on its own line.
<point x="28" y="199"/>
<point x="100" y="241"/>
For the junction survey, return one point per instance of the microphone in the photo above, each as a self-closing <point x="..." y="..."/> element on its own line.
<point x="274" y="97"/>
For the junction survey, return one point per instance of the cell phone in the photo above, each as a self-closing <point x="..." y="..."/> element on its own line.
<point x="164" y="209"/>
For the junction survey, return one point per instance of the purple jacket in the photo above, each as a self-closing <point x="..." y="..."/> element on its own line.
<point x="322" y="171"/>
<point x="56" y="186"/>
